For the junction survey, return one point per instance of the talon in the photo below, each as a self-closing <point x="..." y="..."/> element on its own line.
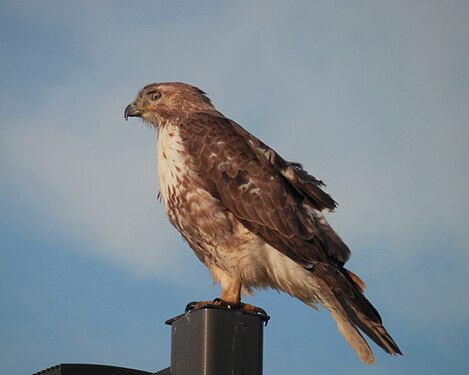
<point x="225" y="304"/>
<point x="202" y="304"/>
<point x="191" y="306"/>
<point x="219" y="303"/>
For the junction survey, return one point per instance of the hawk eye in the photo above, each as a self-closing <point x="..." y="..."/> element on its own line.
<point x="155" y="95"/>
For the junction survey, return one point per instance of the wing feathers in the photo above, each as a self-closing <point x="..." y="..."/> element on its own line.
<point x="278" y="199"/>
<point x="307" y="185"/>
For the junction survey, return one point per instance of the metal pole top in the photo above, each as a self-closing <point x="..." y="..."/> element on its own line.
<point x="217" y="341"/>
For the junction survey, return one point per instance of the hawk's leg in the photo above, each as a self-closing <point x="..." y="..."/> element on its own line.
<point x="230" y="294"/>
<point x="230" y="291"/>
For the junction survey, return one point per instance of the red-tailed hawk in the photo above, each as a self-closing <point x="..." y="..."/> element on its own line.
<point x="254" y="219"/>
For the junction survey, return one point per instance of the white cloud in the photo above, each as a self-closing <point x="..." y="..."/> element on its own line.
<point x="94" y="180"/>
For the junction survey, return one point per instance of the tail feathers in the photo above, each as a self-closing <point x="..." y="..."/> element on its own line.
<point x="351" y="310"/>
<point x="356" y="308"/>
<point x="359" y="283"/>
<point x="350" y="333"/>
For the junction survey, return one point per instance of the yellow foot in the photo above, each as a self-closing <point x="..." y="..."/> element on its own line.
<point x="219" y="303"/>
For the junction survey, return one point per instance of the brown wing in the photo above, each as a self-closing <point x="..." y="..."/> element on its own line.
<point x="270" y="196"/>
<point x="308" y="186"/>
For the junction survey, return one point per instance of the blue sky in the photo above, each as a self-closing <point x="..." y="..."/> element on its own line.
<point x="371" y="96"/>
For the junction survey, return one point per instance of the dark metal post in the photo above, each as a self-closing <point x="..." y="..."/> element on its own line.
<point x="88" y="369"/>
<point x="216" y="341"/>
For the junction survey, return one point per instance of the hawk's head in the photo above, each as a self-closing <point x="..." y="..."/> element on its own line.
<point x="159" y="102"/>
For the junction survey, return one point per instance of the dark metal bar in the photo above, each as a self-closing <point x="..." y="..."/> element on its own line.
<point x="166" y="371"/>
<point x="89" y="369"/>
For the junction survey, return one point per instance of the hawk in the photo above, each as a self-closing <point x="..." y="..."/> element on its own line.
<point x="253" y="218"/>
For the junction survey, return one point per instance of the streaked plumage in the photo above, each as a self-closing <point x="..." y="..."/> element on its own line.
<point x="254" y="219"/>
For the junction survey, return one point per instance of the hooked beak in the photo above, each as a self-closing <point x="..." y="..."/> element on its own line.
<point x="132" y="111"/>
